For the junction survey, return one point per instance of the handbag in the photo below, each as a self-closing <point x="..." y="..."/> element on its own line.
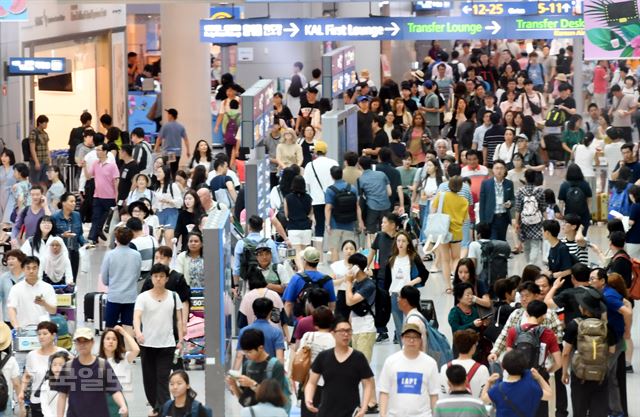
<point x="438" y="223"/>
<point x="301" y="363"/>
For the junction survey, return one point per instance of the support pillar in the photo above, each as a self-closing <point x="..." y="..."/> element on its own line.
<point x="578" y="73"/>
<point x="186" y="69"/>
<point x="367" y="52"/>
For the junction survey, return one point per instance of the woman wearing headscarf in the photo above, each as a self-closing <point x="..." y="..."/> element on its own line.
<point x="57" y="266"/>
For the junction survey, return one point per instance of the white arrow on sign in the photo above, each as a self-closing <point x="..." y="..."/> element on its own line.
<point x="293" y="29"/>
<point x="566" y="7"/>
<point x="466" y="9"/>
<point x="394" y="28"/>
<point x="494" y="27"/>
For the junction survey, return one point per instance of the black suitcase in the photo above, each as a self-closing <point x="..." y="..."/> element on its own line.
<point x="428" y="310"/>
<point x="90" y="310"/>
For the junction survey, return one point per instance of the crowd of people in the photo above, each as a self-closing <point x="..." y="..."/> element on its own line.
<point x="450" y="182"/>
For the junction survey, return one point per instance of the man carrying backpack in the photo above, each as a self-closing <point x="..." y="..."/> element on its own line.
<point x="619" y="318"/>
<point x="142" y="152"/>
<point x="532" y="339"/>
<point x="245" y="250"/>
<point x="491" y="257"/>
<point x="621" y="261"/>
<point x="530" y="209"/>
<point x="559" y="260"/>
<point x="587" y="344"/>
<point x="297" y="292"/>
<point x="340" y="212"/>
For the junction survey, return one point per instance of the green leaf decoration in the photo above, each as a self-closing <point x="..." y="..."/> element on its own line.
<point x="627" y="52"/>
<point x="630" y="31"/>
<point x="605" y="39"/>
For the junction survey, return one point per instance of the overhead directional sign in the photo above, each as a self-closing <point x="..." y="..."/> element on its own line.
<point x="36" y="66"/>
<point x="391" y="28"/>
<point x="485" y="8"/>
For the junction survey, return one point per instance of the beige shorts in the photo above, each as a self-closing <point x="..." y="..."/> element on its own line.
<point x="364" y="342"/>
<point x="337" y="237"/>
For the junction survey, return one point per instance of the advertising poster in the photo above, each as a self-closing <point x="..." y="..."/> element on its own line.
<point x="612" y="29"/>
<point x="13" y="11"/>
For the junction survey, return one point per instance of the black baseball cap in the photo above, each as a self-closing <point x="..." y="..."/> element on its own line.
<point x="172" y="112"/>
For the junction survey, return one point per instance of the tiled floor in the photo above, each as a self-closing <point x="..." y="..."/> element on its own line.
<point x="433" y="290"/>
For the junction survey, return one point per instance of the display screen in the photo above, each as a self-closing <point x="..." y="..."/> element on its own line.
<point x="138" y="109"/>
<point x="62" y="82"/>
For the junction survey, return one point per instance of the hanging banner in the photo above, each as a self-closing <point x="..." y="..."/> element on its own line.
<point x="612" y="29"/>
<point x="390" y="28"/>
<point x="13" y="11"/>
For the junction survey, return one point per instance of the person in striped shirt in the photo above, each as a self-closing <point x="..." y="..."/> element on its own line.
<point x="459" y="402"/>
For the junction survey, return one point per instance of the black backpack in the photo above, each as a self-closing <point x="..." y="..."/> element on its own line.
<point x="303" y="295"/>
<point x="4" y="386"/>
<point x="248" y="256"/>
<point x="494" y="259"/>
<point x="26" y="150"/>
<point x="345" y="206"/>
<point x="576" y="201"/>
<point x="528" y="342"/>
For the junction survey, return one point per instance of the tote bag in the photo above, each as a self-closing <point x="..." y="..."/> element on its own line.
<point x="438" y="223"/>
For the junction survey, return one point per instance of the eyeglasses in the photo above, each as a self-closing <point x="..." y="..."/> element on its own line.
<point x="344" y="331"/>
<point x="412" y="338"/>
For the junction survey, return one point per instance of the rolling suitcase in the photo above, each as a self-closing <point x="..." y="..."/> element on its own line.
<point x="94" y="308"/>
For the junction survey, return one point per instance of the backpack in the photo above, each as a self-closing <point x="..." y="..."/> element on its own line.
<point x="528" y="342"/>
<point x="555" y="117"/>
<point x="590" y="360"/>
<point x="470" y="374"/>
<point x="455" y="70"/>
<point x="563" y="64"/>
<point x="248" y="256"/>
<point x="287" y="390"/>
<point x="345" y="205"/>
<point x="193" y="412"/>
<point x="26" y="150"/>
<point x="303" y="295"/>
<point x="437" y="344"/>
<point x="634" y="288"/>
<point x="619" y="201"/>
<point x="231" y="129"/>
<point x="494" y="257"/>
<point x="4" y="385"/>
<point x="575" y="201"/>
<point x="282" y="218"/>
<point x="530" y="213"/>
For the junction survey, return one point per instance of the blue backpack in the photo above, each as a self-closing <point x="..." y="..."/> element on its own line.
<point x="437" y="344"/>
<point x="195" y="406"/>
<point x="619" y="201"/>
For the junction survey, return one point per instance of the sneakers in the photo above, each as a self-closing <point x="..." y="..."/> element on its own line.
<point x="629" y="369"/>
<point x="373" y="409"/>
<point x="382" y="337"/>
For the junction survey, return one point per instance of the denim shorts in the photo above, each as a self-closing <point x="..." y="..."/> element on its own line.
<point x="168" y="217"/>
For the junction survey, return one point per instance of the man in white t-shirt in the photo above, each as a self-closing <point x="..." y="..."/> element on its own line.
<point x="31" y="300"/>
<point x="465" y="342"/>
<point x="408" y="302"/>
<point x="613" y="150"/>
<point x="317" y="175"/>
<point x="408" y="382"/>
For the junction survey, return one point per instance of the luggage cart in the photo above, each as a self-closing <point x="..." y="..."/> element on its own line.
<point x="68" y="310"/>
<point x="194" y="342"/>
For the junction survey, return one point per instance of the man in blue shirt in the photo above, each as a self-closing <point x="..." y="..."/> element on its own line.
<point x="375" y="188"/>
<point x="619" y="319"/>
<point x="339" y="232"/>
<point x="255" y="228"/>
<point x="171" y="136"/>
<point x="310" y="258"/>
<point x="273" y="336"/>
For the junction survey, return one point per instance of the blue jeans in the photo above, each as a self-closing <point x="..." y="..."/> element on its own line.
<point x="424" y="215"/>
<point x="466" y="234"/>
<point x="101" y="207"/>
<point x="397" y="316"/>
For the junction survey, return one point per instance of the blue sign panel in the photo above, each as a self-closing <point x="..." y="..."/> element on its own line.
<point x="391" y="28"/>
<point x="481" y="8"/>
<point x="225" y="12"/>
<point x="36" y="66"/>
<point x="432" y="5"/>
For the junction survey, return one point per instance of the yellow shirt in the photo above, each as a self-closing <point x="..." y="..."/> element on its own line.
<point x="457" y="208"/>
